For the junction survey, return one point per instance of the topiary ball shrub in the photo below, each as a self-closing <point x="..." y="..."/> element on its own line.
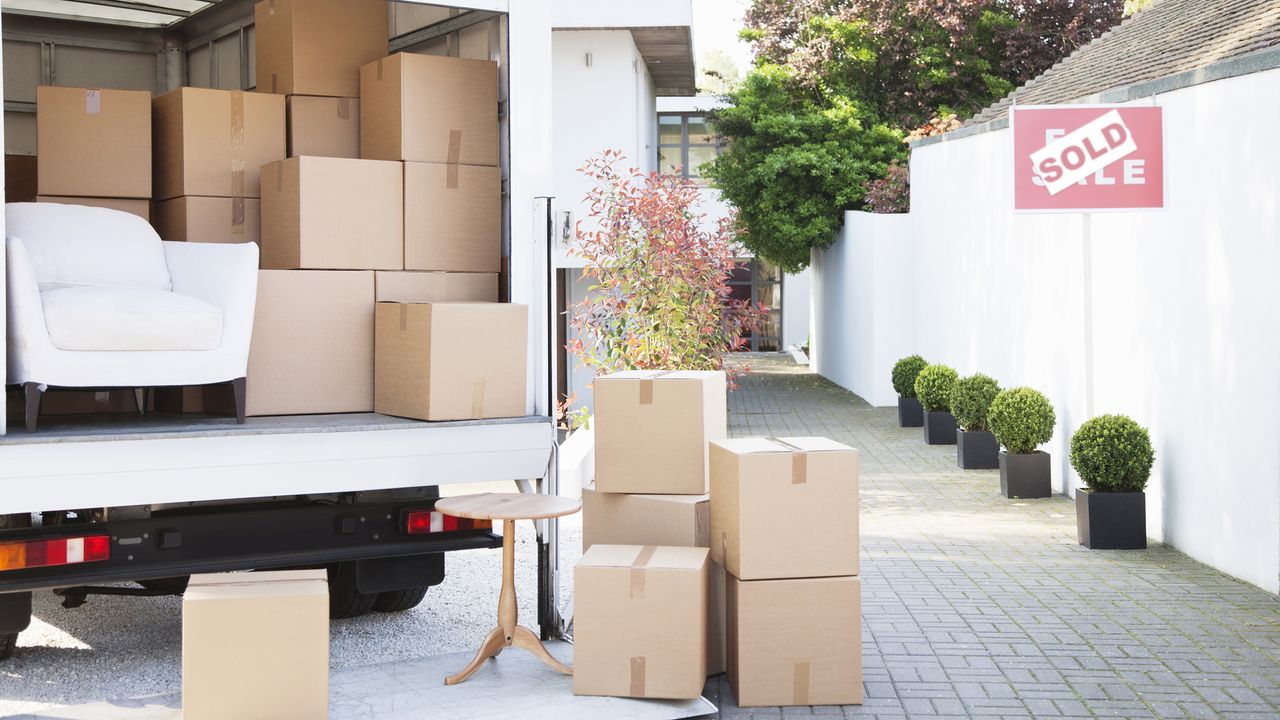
<point x="971" y="399"/>
<point x="1112" y="453"/>
<point x="1022" y="419"/>
<point x="904" y="375"/>
<point x="933" y="387"/>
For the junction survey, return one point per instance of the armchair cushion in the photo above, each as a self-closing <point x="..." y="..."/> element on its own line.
<point x="109" y="318"/>
<point x="77" y="245"/>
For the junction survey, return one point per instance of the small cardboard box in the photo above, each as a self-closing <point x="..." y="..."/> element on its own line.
<point x="425" y="287"/>
<point x="427" y="108"/>
<point x="20" y="178"/>
<point x="811" y="482"/>
<point x="316" y="47"/>
<point x="93" y="143"/>
<point x="451" y="361"/>
<point x="332" y="214"/>
<point x="312" y="346"/>
<point x="210" y="219"/>
<point x="652" y="429"/>
<point x="213" y="142"/>
<point x="674" y="520"/>
<point x="795" y="642"/>
<point x="256" y="646"/>
<point x="640" y="616"/>
<point x="452" y="217"/>
<point x="133" y="206"/>
<point x="324" y="126"/>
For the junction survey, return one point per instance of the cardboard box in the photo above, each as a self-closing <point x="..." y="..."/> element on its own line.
<point x="316" y="47"/>
<point x="210" y="219"/>
<point x="93" y="143"/>
<point x="427" y="108"/>
<point x="757" y="481"/>
<point x="256" y="646"/>
<point x="795" y="642"/>
<point x="652" y="429"/>
<point x="213" y="142"/>
<point x="420" y="287"/>
<point x="324" y="126"/>
<point x="332" y="214"/>
<point x="452" y="217"/>
<point x="134" y="206"/>
<point x="20" y="178"/>
<point x="451" y="361"/>
<point x="639" y="622"/>
<point x="312" y="346"/>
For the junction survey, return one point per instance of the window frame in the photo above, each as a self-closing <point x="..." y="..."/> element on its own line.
<point x="684" y="144"/>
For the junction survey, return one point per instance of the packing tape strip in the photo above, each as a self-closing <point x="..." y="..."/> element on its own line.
<point x="646" y="386"/>
<point x="237" y="216"/>
<point x="275" y="84"/>
<point x="237" y="144"/>
<point x="92" y="102"/>
<point x="637" y="677"/>
<point x="344" y="108"/>
<point x="477" y="398"/>
<point x="638" y="570"/>
<point x="455" y="153"/>
<point x="800" y="684"/>
<point x="404" y="316"/>
<point x="799" y="461"/>
<point x="379" y="68"/>
<point x="271" y="7"/>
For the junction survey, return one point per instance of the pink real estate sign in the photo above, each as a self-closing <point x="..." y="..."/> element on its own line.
<point x="1081" y="158"/>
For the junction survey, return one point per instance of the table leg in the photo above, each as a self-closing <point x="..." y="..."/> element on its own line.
<point x="507" y="610"/>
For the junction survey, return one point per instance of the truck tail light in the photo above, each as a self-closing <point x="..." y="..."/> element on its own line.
<point x="48" y="553"/>
<point x="421" y="522"/>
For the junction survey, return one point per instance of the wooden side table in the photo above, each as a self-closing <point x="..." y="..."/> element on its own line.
<point x="508" y="507"/>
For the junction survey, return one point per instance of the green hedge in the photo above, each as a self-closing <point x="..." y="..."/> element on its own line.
<point x="933" y="387"/>
<point x="904" y="375"/>
<point x="1022" y="419"/>
<point x="971" y="399"/>
<point x="1112" y="453"/>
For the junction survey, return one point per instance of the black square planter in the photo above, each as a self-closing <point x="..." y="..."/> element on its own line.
<point x="977" y="450"/>
<point x="910" y="413"/>
<point x="939" y="427"/>
<point x="1111" y="521"/>
<point x="1025" y="475"/>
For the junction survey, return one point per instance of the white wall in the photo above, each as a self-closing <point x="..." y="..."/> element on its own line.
<point x="1184" y="331"/>
<point x="795" y="308"/>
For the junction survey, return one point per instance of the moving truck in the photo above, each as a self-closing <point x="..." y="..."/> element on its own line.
<point x="134" y="504"/>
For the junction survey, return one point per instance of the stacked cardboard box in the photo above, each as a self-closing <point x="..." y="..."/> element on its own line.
<point x="784" y="523"/>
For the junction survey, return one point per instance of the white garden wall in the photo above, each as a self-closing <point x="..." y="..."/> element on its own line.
<point x="1184" y="327"/>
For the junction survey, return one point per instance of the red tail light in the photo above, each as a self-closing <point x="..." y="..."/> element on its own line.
<point x="50" y="553"/>
<point x="421" y="522"/>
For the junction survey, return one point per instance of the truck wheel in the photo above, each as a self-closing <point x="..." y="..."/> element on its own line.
<point x="345" y="601"/>
<point x="7" y="644"/>
<point x="399" y="600"/>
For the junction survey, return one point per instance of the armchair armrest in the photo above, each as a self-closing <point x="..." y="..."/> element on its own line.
<point x="225" y="275"/>
<point x="27" y="337"/>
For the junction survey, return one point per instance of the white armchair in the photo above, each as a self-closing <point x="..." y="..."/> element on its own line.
<point x="97" y="300"/>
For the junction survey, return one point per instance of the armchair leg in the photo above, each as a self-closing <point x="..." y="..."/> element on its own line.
<point x="238" y="390"/>
<point x="33" y="396"/>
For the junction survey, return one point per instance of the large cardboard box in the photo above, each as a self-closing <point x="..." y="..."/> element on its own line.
<point x="652" y="429"/>
<point x="420" y="287"/>
<point x="427" y="108"/>
<point x="210" y="219"/>
<point x="255" y="646"/>
<point x="312" y="347"/>
<point x="332" y="213"/>
<point x="20" y="178"/>
<point x="213" y="142"/>
<point x="316" y="47"/>
<point x="451" y="361"/>
<point x="639" y="621"/>
<point x="675" y="520"/>
<point x="452" y="217"/>
<point x="795" y="642"/>
<point x="133" y="206"/>
<point x="324" y="126"/>
<point x="811" y="481"/>
<point x="93" y="143"/>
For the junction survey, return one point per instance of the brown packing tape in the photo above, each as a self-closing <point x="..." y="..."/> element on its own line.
<point x="477" y="398"/>
<point x="799" y="461"/>
<point x="237" y="144"/>
<point x="404" y="317"/>
<point x="646" y="386"/>
<point x="275" y="83"/>
<point x="344" y="108"/>
<point x="637" y="677"/>
<point x="638" y="569"/>
<point x="379" y="68"/>
<point x="455" y="153"/>
<point x="451" y="176"/>
<point x="92" y="102"/>
<point x="271" y="7"/>
<point x="800" y="684"/>
<point x="237" y="216"/>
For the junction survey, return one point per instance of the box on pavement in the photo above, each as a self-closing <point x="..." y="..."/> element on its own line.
<point x="316" y="47"/>
<point x="652" y="429"/>
<point x="640" y="615"/>
<point x="426" y="108"/>
<point x="420" y="287"/>
<point x="452" y="217"/>
<point x="807" y="485"/>
<point x="451" y="361"/>
<point x="324" y="126"/>
<point x="795" y="642"/>
<point x="332" y="214"/>
<point x="93" y="143"/>
<point x="209" y="219"/>
<point x="213" y="142"/>
<point x="133" y="206"/>
<point x="312" y="346"/>
<point x="256" y="646"/>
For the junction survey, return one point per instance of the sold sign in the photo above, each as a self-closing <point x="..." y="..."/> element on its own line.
<point x="1078" y="158"/>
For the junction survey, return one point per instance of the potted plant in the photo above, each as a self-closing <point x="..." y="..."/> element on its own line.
<point x="1022" y="420"/>
<point x="976" y="447"/>
<point x="910" y="414"/>
<point x="933" y="387"/>
<point x="1113" y="455"/>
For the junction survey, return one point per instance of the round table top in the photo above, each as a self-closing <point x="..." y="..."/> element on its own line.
<point x="507" y="506"/>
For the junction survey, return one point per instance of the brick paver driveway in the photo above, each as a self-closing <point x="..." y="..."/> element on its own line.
<point x="978" y="606"/>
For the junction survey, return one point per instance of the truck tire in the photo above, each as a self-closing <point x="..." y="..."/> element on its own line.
<point x="345" y="601"/>
<point x="7" y="644"/>
<point x="399" y="600"/>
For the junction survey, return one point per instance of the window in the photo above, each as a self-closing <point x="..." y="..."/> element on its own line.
<point x="685" y="141"/>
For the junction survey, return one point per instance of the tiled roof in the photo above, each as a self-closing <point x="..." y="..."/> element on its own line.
<point x="1169" y="37"/>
